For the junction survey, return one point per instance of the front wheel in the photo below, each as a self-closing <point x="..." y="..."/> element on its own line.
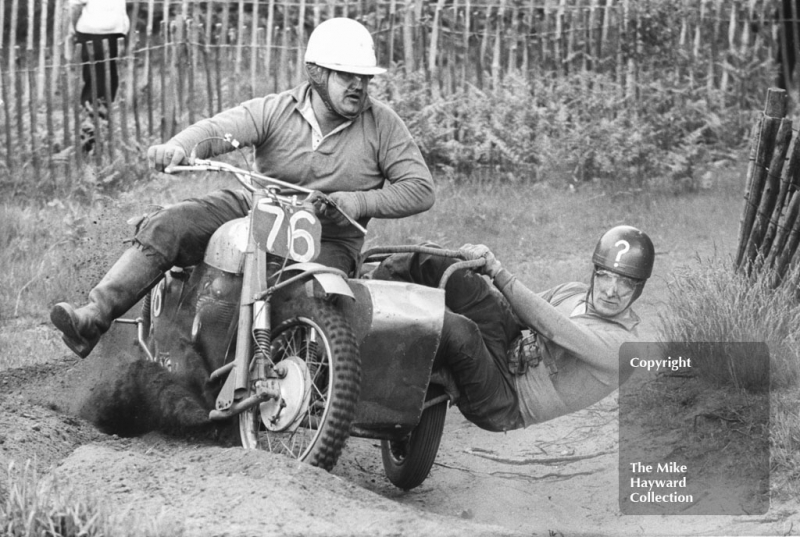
<point x="314" y="349"/>
<point x="407" y="462"/>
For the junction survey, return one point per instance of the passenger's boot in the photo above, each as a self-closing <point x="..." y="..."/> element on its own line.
<point x="131" y="277"/>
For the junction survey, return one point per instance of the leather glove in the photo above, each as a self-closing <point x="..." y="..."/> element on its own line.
<point x="477" y="251"/>
<point x="163" y="157"/>
<point x="345" y="201"/>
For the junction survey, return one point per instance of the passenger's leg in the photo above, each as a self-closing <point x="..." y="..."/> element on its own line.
<point x="488" y="397"/>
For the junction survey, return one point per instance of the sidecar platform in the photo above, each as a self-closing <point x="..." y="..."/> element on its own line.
<point x="398" y="326"/>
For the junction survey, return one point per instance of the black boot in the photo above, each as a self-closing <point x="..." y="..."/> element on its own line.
<point x="131" y="277"/>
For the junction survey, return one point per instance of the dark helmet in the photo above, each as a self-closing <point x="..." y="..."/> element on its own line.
<point x="627" y="251"/>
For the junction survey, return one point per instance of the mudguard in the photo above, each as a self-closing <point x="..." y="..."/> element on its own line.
<point x="398" y="326"/>
<point x="331" y="282"/>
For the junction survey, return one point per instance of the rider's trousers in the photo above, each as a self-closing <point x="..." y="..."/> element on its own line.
<point x="179" y="234"/>
<point x="479" y="326"/>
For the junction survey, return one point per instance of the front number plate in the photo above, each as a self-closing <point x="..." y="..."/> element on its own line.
<point x="290" y="232"/>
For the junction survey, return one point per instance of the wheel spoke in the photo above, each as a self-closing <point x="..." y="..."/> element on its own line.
<point x="307" y="390"/>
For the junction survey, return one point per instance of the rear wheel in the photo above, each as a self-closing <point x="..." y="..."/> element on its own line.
<point x="408" y="462"/>
<point x="315" y="351"/>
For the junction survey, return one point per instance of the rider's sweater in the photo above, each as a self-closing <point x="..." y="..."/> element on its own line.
<point x="373" y="154"/>
<point x="583" y="345"/>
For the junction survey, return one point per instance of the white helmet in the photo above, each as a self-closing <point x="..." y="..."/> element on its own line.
<point x="343" y="44"/>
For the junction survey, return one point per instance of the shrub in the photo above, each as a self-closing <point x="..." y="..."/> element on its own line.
<point x="712" y="303"/>
<point x="574" y="128"/>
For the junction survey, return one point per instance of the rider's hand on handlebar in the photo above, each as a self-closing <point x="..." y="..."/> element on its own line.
<point x="163" y="157"/>
<point x="345" y="201"/>
<point x="477" y="251"/>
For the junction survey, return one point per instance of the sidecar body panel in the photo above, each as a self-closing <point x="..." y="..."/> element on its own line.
<point x="398" y="326"/>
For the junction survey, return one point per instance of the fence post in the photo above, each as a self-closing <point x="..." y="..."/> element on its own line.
<point x="432" y="67"/>
<point x="122" y="101"/>
<point x="270" y="37"/>
<point x="76" y="105"/>
<point x="7" y="124"/>
<point x="13" y="48"/>
<point x="408" y="38"/>
<point x="769" y="195"/>
<point x="253" y="49"/>
<point x="761" y="146"/>
<point x="788" y="185"/>
<point x="32" y="108"/>
<point x="148" y="69"/>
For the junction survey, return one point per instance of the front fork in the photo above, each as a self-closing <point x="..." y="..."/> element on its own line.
<point x="254" y="326"/>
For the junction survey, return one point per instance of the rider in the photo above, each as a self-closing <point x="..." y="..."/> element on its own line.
<point x="327" y="135"/>
<point x="519" y="358"/>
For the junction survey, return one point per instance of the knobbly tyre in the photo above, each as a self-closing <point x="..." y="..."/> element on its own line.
<point x="256" y="332"/>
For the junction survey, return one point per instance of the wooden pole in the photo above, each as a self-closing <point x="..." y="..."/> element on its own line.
<point x="786" y="254"/>
<point x="769" y="195"/>
<point x="392" y="13"/>
<point x="253" y="49"/>
<point x="163" y="130"/>
<point x="47" y="95"/>
<point x="76" y="105"/>
<point x="299" y="73"/>
<point x="408" y="38"/>
<point x="19" y="104"/>
<point x="109" y="102"/>
<point x="466" y="62"/>
<point x="209" y="75"/>
<point x="218" y="51"/>
<point x="43" y="33"/>
<point x="192" y="47"/>
<point x="498" y="43"/>
<point x="484" y="46"/>
<point x="130" y="71"/>
<point x="33" y="106"/>
<point x="13" y="48"/>
<point x="148" y="70"/>
<point x="12" y="169"/>
<point x="558" y="52"/>
<point x="237" y="66"/>
<point x="761" y="144"/>
<point x="122" y="102"/>
<point x="432" y="51"/>
<point x="781" y="220"/>
<point x="270" y="37"/>
<point x="513" y="48"/>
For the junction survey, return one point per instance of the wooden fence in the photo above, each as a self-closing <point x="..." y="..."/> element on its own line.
<point x="186" y="59"/>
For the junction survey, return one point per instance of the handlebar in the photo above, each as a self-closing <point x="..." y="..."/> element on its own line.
<point x="246" y="177"/>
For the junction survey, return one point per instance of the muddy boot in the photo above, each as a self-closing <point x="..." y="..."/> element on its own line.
<point x="131" y="277"/>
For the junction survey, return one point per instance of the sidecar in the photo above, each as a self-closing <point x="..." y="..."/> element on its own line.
<point x="398" y="326"/>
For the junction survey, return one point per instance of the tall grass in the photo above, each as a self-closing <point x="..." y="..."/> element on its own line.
<point x="709" y="302"/>
<point x="32" y="505"/>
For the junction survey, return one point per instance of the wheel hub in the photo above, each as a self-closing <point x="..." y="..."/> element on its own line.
<point x="286" y="412"/>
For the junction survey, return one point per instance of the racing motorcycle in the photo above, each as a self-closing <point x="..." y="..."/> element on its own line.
<point x="294" y="352"/>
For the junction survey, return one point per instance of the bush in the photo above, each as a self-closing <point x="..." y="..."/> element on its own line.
<point x="576" y="128"/>
<point x="712" y="303"/>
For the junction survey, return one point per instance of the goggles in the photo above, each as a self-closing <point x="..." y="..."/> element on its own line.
<point x="625" y="285"/>
<point x="347" y="79"/>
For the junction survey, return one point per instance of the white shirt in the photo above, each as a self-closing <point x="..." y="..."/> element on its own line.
<point x="102" y="16"/>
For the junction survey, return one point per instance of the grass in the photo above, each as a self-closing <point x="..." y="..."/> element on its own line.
<point x="33" y="505"/>
<point x="710" y="302"/>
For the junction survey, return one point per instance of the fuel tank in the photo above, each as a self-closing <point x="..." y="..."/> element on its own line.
<point x="398" y="326"/>
<point x="225" y="250"/>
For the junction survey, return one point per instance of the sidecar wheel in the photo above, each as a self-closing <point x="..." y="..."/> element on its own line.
<point x="320" y="386"/>
<point x="408" y="462"/>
